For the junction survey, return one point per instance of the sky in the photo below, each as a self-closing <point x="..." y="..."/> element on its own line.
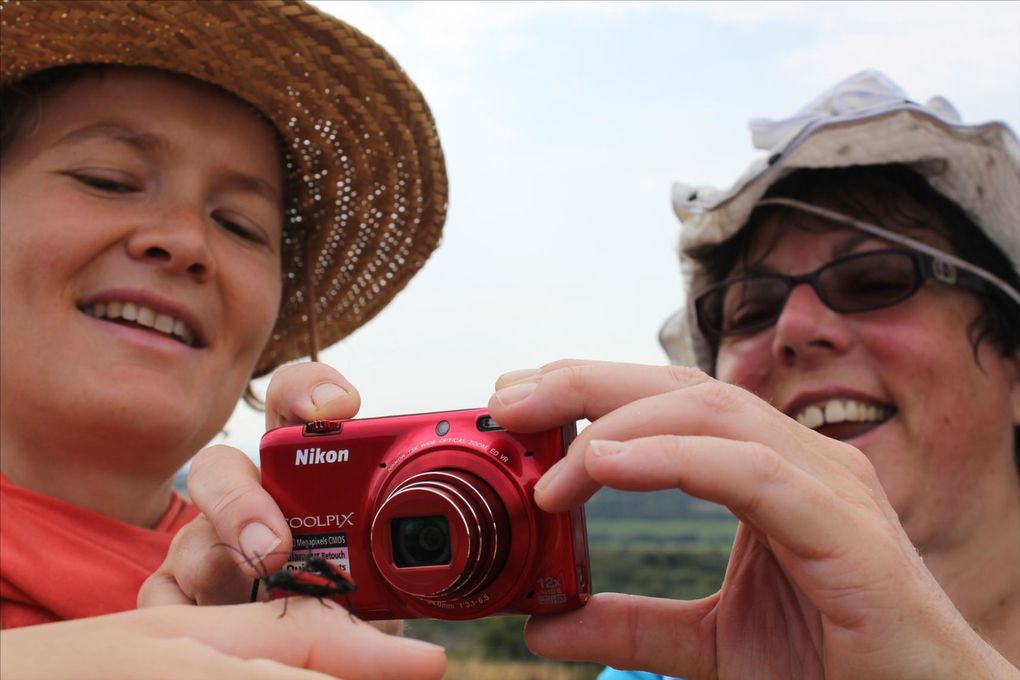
<point x="564" y="125"/>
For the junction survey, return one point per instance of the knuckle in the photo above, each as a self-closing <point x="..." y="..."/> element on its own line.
<point x="232" y="504"/>
<point x="719" y="397"/>
<point x="767" y="466"/>
<point x="684" y="377"/>
<point x="202" y="473"/>
<point x="561" y="364"/>
<point x="861" y="466"/>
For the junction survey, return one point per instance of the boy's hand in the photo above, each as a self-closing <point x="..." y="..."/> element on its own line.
<point x="236" y="511"/>
<point x="243" y="641"/>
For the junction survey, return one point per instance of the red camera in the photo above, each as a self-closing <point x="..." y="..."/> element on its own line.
<point x="431" y="514"/>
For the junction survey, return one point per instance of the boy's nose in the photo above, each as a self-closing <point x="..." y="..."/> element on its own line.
<point x="178" y="241"/>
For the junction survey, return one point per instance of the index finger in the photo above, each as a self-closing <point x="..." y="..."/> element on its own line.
<point x="571" y="390"/>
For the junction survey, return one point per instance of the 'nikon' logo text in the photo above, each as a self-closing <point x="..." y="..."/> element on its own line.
<point x="317" y="456"/>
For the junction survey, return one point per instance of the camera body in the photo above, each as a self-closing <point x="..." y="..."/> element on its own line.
<point x="431" y="514"/>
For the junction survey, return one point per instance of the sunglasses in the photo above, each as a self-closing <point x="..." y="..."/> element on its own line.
<point x="861" y="282"/>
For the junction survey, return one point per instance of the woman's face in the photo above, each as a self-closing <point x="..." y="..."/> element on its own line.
<point x="141" y="228"/>
<point x="937" y="424"/>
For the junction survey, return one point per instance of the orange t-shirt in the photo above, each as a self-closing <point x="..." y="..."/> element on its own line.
<point x="59" y="561"/>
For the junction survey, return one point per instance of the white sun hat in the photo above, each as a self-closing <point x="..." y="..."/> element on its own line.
<point x="863" y="120"/>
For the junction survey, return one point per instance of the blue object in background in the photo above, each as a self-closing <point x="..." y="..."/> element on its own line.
<point x="614" y="674"/>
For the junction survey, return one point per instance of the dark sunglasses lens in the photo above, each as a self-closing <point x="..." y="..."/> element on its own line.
<point x="746" y="305"/>
<point x="870" y="281"/>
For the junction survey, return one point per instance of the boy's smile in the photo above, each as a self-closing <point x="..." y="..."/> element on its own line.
<point x="142" y="218"/>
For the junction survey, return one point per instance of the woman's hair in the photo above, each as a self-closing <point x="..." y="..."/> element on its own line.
<point x="897" y="197"/>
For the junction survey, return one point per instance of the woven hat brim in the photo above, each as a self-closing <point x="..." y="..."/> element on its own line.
<point x="977" y="167"/>
<point x="365" y="177"/>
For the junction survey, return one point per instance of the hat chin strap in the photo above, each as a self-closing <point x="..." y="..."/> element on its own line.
<point x="313" y="321"/>
<point x="944" y="262"/>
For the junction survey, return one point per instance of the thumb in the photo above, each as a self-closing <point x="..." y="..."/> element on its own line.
<point x="631" y="632"/>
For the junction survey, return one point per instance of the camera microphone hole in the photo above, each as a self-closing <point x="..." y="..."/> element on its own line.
<point x="529" y="454"/>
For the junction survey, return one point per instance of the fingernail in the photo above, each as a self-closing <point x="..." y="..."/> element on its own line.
<point x="515" y="393"/>
<point x="603" y="447"/>
<point x="415" y="643"/>
<point x="550" y="474"/>
<point x="327" y="392"/>
<point x="516" y="376"/>
<point x="257" y="540"/>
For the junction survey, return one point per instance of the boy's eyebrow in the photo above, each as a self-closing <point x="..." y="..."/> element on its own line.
<point x="149" y="143"/>
<point x="142" y="141"/>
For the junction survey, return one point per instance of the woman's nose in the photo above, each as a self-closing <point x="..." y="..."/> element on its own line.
<point x="807" y="330"/>
<point x="177" y="241"/>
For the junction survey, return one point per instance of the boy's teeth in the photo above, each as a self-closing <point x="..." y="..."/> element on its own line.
<point x="146" y="317"/>
<point x="143" y="316"/>
<point x="164" y="323"/>
<point x="840" y="411"/>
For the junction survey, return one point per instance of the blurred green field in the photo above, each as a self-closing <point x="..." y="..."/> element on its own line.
<point x="518" y="670"/>
<point x="710" y="533"/>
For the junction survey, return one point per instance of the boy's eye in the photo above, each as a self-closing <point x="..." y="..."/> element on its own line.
<point x="107" y="183"/>
<point x="235" y="226"/>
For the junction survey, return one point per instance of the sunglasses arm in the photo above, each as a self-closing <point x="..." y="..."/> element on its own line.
<point x="944" y="265"/>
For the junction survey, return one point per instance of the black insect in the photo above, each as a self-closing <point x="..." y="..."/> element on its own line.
<point x="319" y="578"/>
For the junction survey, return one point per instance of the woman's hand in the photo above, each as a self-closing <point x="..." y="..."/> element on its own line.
<point x="236" y="511"/>
<point x="250" y="641"/>
<point x="822" y="582"/>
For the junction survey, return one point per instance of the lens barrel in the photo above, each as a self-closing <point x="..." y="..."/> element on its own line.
<point x="441" y="535"/>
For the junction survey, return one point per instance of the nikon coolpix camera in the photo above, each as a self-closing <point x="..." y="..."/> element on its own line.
<point x="432" y="515"/>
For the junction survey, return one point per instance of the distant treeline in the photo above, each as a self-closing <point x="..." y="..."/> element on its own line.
<point x="670" y="504"/>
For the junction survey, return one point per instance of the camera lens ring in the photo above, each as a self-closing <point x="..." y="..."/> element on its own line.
<point x="489" y="558"/>
<point x="461" y="519"/>
<point x="488" y="551"/>
<point x="478" y="519"/>
<point x="474" y="535"/>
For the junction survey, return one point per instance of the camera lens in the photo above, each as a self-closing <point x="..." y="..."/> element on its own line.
<point x="420" y="541"/>
<point x="441" y="535"/>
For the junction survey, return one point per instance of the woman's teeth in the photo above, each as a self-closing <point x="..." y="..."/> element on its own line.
<point x="841" y="411"/>
<point x="142" y="316"/>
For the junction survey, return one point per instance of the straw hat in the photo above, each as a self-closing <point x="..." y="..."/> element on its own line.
<point x="366" y="181"/>
<point x="863" y="120"/>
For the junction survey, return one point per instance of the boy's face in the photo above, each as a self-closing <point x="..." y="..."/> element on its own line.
<point x="142" y="195"/>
